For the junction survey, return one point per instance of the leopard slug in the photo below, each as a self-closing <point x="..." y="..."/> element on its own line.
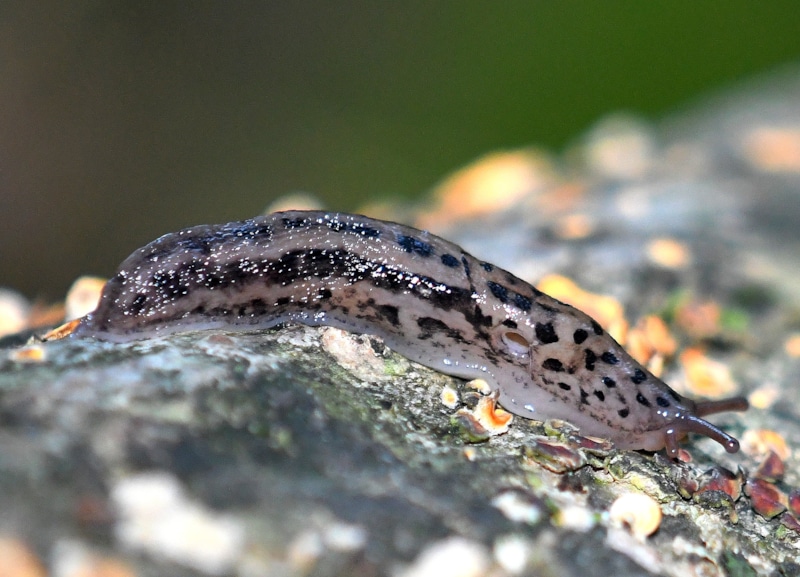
<point x="427" y="298"/>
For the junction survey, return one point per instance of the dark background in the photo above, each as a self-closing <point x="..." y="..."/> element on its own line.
<point x="122" y="120"/>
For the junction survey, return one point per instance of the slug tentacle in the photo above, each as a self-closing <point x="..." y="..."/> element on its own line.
<point x="427" y="298"/>
<point x="703" y="408"/>
<point x="693" y="424"/>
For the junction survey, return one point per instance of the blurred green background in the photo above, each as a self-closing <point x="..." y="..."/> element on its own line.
<point x="123" y="120"/>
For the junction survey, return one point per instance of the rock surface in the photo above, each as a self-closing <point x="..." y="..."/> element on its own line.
<point x="306" y="451"/>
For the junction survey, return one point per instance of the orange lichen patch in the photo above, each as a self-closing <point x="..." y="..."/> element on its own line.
<point x="722" y="480"/>
<point x="792" y="345"/>
<point x="574" y="226"/>
<point x="83" y="296"/>
<point x="706" y="377"/>
<point x="774" y="149"/>
<point x="29" y="354"/>
<point x="640" y="513"/>
<point x="449" y="397"/>
<point x="470" y="453"/>
<point x="604" y="309"/>
<point x="669" y="253"/>
<point x="63" y="331"/>
<point x="495" y="419"/>
<point x="493" y="183"/>
<point x="790" y="522"/>
<point x="18" y="560"/>
<point x="766" y="499"/>
<point x="762" y="441"/>
<point x="650" y="340"/>
<point x="469" y="426"/>
<point x="699" y="319"/>
<point x="771" y="468"/>
<point x="794" y="502"/>
<point x="480" y="385"/>
<point x="485" y="420"/>
<point x="764" y="397"/>
<point x="553" y="456"/>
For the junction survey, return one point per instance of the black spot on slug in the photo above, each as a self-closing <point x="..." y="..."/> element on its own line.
<point x="138" y="303"/>
<point x="553" y="365"/>
<point x="546" y="333"/>
<point x="641" y="400"/>
<point x="414" y="245"/>
<point x="623" y="413"/>
<point x="170" y="284"/>
<point x="564" y="386"/>
<point x="294" y="223"/>
<point x="450" y="261"/>
<point x="638" y="377"/>
<point x="429" y="325"/>
<point x="579" y="336"/>
<point x="609" y="358"/>
<point x="509" y="323"/>
<point x="252" y="229"/>
<point x="590" y="359"/>
<point x="391" y="313"/>
<point x="662" y="402"/>
<point x="609" y="382"/>
<point x="467" y="268"/>
<point x="354" y="228"/>
<point x="598" y="330"/>
<point x="584" y="396"/>
<point x="522" y="302"/>
<point x="487" y="266"/>
<point x="499" y="291"/>
<point x="600" y="395"/>
<point x="507" y="296"/>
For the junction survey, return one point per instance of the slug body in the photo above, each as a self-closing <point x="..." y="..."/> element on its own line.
<point x="427" y="298"/>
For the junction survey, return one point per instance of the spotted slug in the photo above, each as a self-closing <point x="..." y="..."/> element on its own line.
<point x="426" y="297"/>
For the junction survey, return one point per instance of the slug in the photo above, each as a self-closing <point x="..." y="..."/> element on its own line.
<point x="426" y="297"/>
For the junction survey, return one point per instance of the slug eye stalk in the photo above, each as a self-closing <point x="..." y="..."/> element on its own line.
<point x="693" y="423"/>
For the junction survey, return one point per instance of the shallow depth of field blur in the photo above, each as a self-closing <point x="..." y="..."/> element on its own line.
<point x="120" y="121"/>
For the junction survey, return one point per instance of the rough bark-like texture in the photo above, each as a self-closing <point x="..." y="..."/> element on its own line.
<point x="312" y="452"/>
